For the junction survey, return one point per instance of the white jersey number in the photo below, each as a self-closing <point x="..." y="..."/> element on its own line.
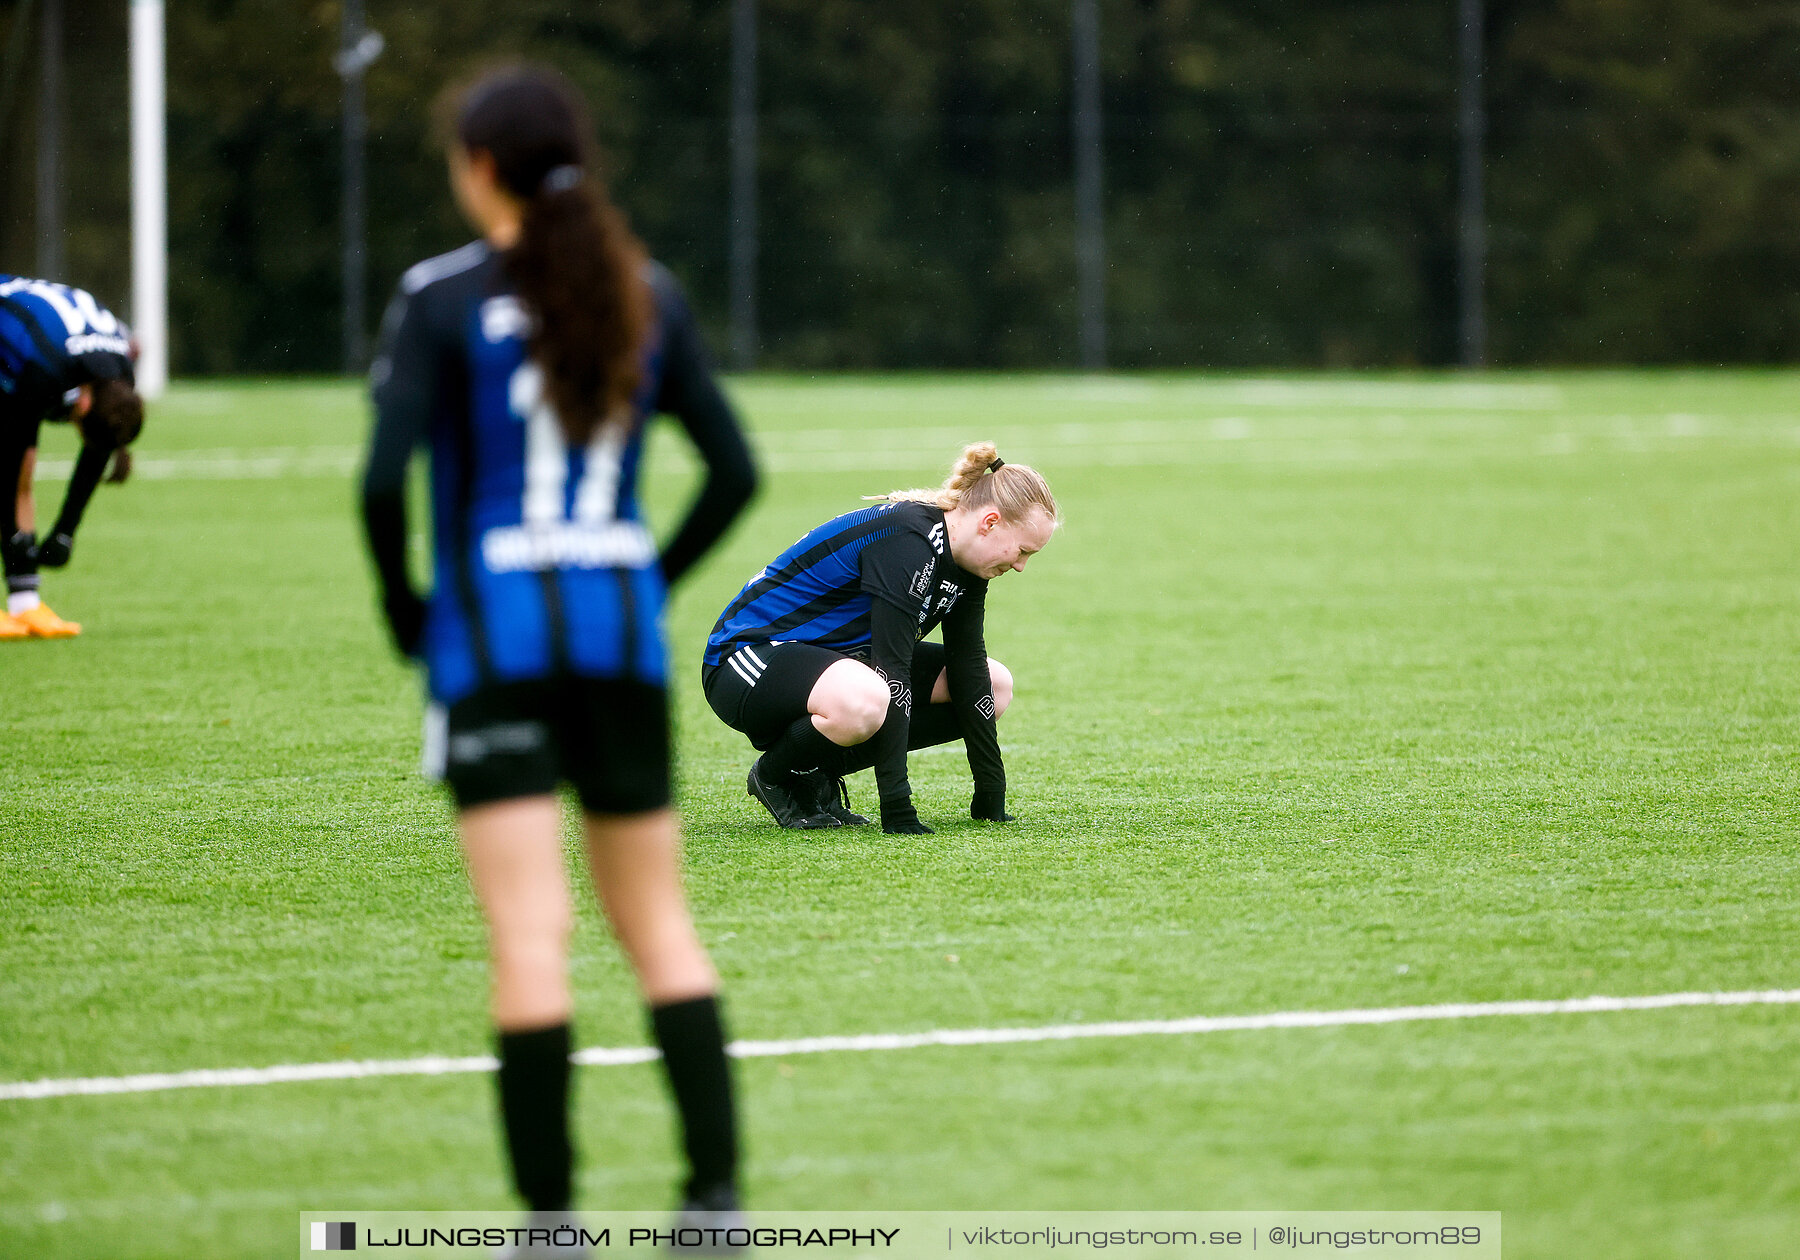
<point x="75" y="307"/>
<point x="547" y="459"/>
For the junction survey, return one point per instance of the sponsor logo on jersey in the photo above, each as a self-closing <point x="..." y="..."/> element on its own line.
<point x="948" y="593"/>
<point x="986" y="705"/>
<point x="566" y="545"/>
<point x="921" y="581"/>
<point x="937" y="537"/>
<point x="502" y="318"/>
<point x="96" y="343"/>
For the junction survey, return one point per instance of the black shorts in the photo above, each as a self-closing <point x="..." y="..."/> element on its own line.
<point x="607" y="738"/>
<point x="762" y="690"/>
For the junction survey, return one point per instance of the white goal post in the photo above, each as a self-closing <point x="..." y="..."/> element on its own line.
<point x="149" y="199"/>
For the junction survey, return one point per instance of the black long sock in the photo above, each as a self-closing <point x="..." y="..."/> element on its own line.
<point x="692" y="1038"/>
<point x="21" y="570"/>
<point x="803" y="747"/>
<point x="534" y="1109"/>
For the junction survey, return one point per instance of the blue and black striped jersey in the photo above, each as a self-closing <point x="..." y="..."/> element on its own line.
<point x="53" y="339"/>
<point x="543" y="565"/>
<point x="820" y="590"/>
<point x="870" y="584"/>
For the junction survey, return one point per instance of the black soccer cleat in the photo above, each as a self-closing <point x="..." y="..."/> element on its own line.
<point x="834" y="799"/>
<point x="789" y="809"/>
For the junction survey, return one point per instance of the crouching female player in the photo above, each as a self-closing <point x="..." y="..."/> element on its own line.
<point x="528" y="363"/>
<point x="819" y="661"/>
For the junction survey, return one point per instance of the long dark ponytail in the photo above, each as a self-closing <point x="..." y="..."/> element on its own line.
<point x="577" y="266"/>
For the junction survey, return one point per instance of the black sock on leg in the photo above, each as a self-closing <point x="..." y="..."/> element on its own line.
<point x="692" y="1037"/>
<point x="21" y="570"/>
<point x="534" y="1111"/>
<point x="803" y="747"/>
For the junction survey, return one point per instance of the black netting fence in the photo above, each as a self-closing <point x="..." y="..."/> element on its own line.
<point x="1280" y="182"/>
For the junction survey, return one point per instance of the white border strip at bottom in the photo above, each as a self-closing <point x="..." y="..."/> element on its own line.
<point x="601" y="1056"/>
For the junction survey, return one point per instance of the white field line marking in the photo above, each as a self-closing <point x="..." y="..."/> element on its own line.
<point x="1121" y="443"/>
<point x="601" y="1056"/>
<point x="1254" y="391"/>
<point x="253" y="464"/>
<point x="1427" y="394"/>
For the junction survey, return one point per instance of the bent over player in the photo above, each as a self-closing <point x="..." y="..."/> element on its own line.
<point x="63" y="356"/>
<point x="528" y="363"/>
<point x="819" y="661"/>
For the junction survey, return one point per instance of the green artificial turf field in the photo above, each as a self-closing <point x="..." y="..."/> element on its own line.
<point x="1334" y="692"/>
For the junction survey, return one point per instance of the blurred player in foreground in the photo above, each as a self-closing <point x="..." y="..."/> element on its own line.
<point x="819" y="661"/>
<point x="528" y="362"/>
<point x="63" y="356"/>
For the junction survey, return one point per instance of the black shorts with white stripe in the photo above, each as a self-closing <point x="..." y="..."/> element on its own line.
<point x="608" y="738"/>
<point x="762" y="689"/>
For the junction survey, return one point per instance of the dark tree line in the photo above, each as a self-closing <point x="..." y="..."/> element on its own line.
<point x="1280" y="178"/>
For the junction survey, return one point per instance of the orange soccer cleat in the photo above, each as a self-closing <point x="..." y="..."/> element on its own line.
<point x="12" y="628"/>
<point x="41" y="623"/>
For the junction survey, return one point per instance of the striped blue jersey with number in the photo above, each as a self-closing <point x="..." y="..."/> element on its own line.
<point x="54" y="337"/>
<point x="542" y="563"/>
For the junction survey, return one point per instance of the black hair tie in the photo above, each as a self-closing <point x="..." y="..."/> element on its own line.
<point x="997" y="465"/>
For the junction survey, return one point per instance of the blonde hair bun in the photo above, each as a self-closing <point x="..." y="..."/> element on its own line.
<point x="980" y="479"/>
